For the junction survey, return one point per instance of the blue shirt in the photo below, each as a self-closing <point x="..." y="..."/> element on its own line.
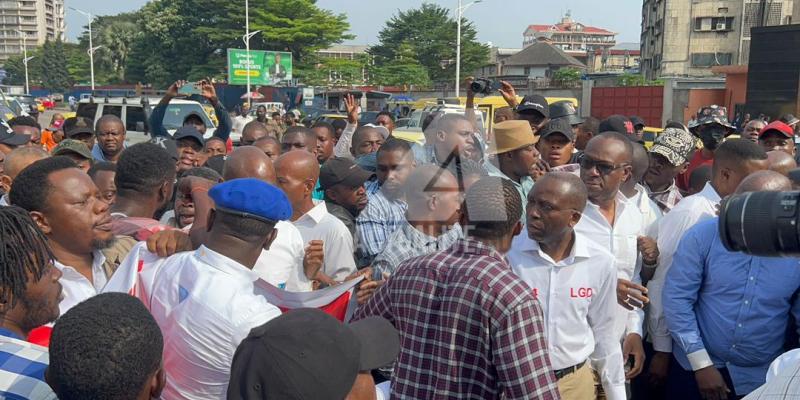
<point x="97" y="152"/>
<point x="378" y="221"/>
<point x="23" y="365"/>
<point x="726" y="308"/>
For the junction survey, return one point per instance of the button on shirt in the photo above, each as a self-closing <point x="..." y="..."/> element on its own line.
<point x="76" y="288"/>
<point x="621" y="240"/>
<point x="579" y="300"/>
<point x="728" y="309"/>
<point x="469" y="328"/>
<point x="282" y="264"/>
<point x="318" y="224"/>
<point x="671" y="228"/>
<point x="407" y="242"/>
<point x="205" y="305"/>
<point x="377" y="222"/>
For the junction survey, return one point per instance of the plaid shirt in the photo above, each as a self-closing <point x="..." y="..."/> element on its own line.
<point x="469" y="328"/>
<point x="377" y="222"/>
<point x="407" y="242"/>
<point x="23" y="365"/>
<point x="666" y="199"/>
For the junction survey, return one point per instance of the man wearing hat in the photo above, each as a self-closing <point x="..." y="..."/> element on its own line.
<point x="777" y="136"/>
<point x="204" y="301"/>
<point x="618" y="123"/>
<point x="345" y="195"/>
<point x="514" y="154"/>
<point x="290" y="358"/>
<point x="535" y="110"/>
<point x="77" y="151"/>
<point x="669" y="157"/>
<point x="638" y="126"/>
<point x="10" y="140"/>
<point x="189" y="142"/>
<point x="557" y="144"/>
<point x="80" y="129"/>
<point x="712" y="127"/>
<point x="565" y="110"/>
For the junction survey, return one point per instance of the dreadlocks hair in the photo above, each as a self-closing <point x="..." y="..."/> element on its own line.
<point x="23" y="249"/>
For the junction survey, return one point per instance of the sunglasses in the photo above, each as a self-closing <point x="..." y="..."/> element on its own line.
<point x="602" y="167"/>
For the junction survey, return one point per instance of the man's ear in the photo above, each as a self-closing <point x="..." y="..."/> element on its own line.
<point x="576" y="217"/>
<point x="517" y="229"/>
<point x="270" y="238"/>
<point x="212" y="215"/>
<point x="309" y="185"/>
<point x="331" y="194"/>
<point x="5" y="183"/>
<point x="157" y="383"/>
<point x="41" y="222"/>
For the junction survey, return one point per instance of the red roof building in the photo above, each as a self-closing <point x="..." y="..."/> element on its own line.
<point x="575" y="38"/>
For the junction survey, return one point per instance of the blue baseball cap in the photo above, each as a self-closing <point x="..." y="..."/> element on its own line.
<point x="251" y="198"/>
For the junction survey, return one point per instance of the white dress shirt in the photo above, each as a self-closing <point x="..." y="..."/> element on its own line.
<point x="671" y="228"/>
<point x="239" y="122"/>
<point x="205" y="305"/>
<point x="337" y="242"/>
<point x="579" y="300"/>
<point x="621" y="240"/>
<point x="76" y="287"/>
<point x="282" y="264"/>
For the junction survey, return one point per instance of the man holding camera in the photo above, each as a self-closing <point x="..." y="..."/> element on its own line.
<point x="728" y="311"/>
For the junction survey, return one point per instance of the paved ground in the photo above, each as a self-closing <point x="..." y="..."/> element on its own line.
<point x="44" y="118"/>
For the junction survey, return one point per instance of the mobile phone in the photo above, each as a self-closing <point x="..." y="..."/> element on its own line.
<point x="190" y="88"/>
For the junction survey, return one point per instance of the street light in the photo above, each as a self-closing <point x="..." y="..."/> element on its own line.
<point x="25" y="60"/>
<point x="91" y="48"/>
<point x="459" y="12"/>
<point x="246" y="38"/>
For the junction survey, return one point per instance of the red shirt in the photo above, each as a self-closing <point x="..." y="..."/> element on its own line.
<point x="697" y="161"/>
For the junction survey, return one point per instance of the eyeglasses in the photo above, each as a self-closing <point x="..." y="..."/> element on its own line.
<point x="603" y="168"/>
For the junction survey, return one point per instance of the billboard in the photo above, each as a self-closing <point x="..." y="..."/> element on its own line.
<point x="266" y="67"/>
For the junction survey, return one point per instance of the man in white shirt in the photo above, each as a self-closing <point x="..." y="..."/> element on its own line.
<point x="575" y="281"/>
<point x="66" y="205"/>
<point x="242" y="119"/>
<point x="204" y="301"/>
<point x="734" y="159"/>
<point x="297" y="173"/>
<point x="615" y="223"/>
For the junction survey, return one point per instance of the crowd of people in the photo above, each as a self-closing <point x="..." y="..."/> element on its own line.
<point x="553" y="256"/>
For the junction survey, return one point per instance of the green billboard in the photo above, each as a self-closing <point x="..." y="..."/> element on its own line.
<point x="266" y="67"/>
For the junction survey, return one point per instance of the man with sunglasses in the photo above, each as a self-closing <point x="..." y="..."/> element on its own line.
<point x="615" y="223"/>
<point x="574" y="278"/>
<point x="712" y="127"/>
<point x="669" y="157"/>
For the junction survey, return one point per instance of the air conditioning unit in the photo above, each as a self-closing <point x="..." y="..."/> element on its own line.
<point x="721" y="26"/>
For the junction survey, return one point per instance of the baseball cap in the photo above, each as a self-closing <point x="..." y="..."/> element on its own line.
<point x="566" y="110"/>
<point x="340" y="170"/>
<point x="536" y="103"/>
<point x="617" y="123"/>
<point x="189" y="131"/>
<point x="789" y="119"/>
<point x="74" y="126"/>
<point x="511" y="135"/>
<point x="72" y="146"/>
<point x="676" y="145"/>
<point x="777" y="126"/>
<point x="712" y="114"/>
<point x="167" y="144"/>
<point x="561" y="126"/>
<point x="637" y="120"/>
<point x="9" y="138"/>
<point x="310" y="355"/>
<point x="380" y="128"/>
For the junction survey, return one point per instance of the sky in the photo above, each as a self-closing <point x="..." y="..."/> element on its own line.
<point x="498" y="21"/>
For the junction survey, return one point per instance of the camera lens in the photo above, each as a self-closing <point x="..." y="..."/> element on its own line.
<point x="761" y="224"/>
<point x="478" y="86"/>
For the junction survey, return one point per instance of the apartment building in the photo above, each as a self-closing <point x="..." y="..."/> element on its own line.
<point x="576" y="39"/>
<point x="38" y="20"/>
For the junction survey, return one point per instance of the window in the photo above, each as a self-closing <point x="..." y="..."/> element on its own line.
<point x="87" y="110"/>
<point x="527" y="71"/>
<point x="135" y="115"/>
<point x="711" y="59"/>
<point x="112" y="110"/>
<point x="713" y="24"/>
<point x="752" y="15"/>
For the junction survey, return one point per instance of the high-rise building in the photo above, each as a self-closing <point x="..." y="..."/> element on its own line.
<point x="576" y="39"/>
<point x="39" y="20"/>
<point x="688" y="37"/>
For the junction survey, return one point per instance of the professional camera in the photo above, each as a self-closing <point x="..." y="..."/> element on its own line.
<point x="484" y="86"/>
<point x="762" y="223"/>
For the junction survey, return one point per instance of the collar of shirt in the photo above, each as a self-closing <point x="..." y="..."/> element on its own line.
<point x="4" y="201"/>
<point x="97" y="152"/>
<point x="472" y="247"/>
<point x="669" y="188"/>
<point x="493" y="170"/>
<point x="224" y="264"/>
<point x="417" y="238"/>
<point x="99" y="277"/>
<point x="622" y="205"/>
<point x="710" y="193"/>
<point x="7" y="333"/>
<point x="578" y="251"/>
<point x="316" y="214"/>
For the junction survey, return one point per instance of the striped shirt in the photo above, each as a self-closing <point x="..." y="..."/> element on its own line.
<point x="22" y="367"/>
<point x="469" y="328"/>
<point x="377" y="222"/>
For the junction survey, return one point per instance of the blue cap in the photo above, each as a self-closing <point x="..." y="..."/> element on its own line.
<point x="251" y="198"/>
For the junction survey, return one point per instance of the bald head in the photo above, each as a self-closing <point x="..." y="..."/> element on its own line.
<point x="781" y="162"/>
<point x="299" y="164"/>
<point x="764" y="181"/>
<point x="568" y="188"/>
<point x="253" y="131"/>
<point x="427" y="180"/>
<point x="432" y="194"/>
<point x="249" y="162"/>
<point x="20" y="158"/>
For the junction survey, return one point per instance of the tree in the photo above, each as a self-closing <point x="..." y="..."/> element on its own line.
<point x="116" y="34"/>
<point x="404" y="70"/>
<point x="55" y="75"/>
<point x="15" y="69"/>
<point x="431" y="33"/>
<point x="567" y="76"/>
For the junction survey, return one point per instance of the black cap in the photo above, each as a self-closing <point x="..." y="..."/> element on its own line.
<point x="637" y="120"/>
<point x="310" y="355"/>
<point x="560" y="125"/>
<point x="167" y="144"/>
<point x="340" y="170"/>
<point x="789" y="119"/>
<point x="9" y="138"/>
<point x="189" y="131"/>
<point x="564" y="109"/>
<point x="617" y="123"/>
<point x="75" y="126"/>
<point x="217" y="163"/>
<point x="533" y="103"/>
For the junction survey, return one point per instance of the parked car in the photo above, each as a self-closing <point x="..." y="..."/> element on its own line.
<point x="27" y="101"/>
<point x="58" y="97"/>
